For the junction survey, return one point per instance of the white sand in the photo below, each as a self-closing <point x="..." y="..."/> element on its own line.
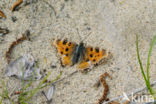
<point x="113" y="25"/>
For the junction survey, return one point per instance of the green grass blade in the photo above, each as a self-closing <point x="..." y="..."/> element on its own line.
<point x="149" y="54"/>
<point x="146" y="78"/>
<point x="31" y="79"/>
<point x="24" y="93"/>
<point x="29" y="94"/>
<point x="5" y="93"/>
<point x="148" y="63"/>
<point x="51" y="82"/>
<point x="34" y="91"/>
<point x="139" y="60"/>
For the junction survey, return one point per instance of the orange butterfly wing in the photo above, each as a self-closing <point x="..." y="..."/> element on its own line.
<point x="92" y="57"/>
<point x="65" y="50"/>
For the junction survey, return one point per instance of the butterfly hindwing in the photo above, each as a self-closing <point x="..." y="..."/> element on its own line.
<point x="95" y="54"/>
<point x="65" y="50"/>
<point x="92" y="57"/>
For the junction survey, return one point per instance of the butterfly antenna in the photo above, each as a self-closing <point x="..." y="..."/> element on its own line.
<point x="86" y="36"/>
<point x="80" y="35"/>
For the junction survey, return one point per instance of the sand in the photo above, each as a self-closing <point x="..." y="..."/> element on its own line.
<point x="108" y="24"/>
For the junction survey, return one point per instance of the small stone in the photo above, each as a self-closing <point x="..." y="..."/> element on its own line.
<point x="53" y="66"/>
<point x="14" y="19"/>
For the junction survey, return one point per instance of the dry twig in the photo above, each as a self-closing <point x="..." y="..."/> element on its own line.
<point x="106" y="88"/>
<point x="113" y="102"/>
<point x="16" y="4"/>
<point x="66" y="77"/>
<point x="4" y="31"/>
<point x="2" y="14"/>
<point x="18" y="41"/>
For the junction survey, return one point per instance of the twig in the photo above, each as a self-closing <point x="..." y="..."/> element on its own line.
<point x="2" y="14"/>
<point x="4" y="31"/>
<point x="50" y="6"/>
<point x="65" y="77"/>
<point x="18" y="41"/>
<point x="17" y="3"/>
<point x="106" y="88"/>
<point x="134" y="92"/>
<point x="114" y="102"/>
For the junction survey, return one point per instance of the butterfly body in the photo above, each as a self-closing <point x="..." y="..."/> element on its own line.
<point x="78" y="54"/>
<point x="72" y="53"/>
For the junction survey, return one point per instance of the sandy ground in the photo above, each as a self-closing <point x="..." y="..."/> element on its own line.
<point x="113" y="25"/>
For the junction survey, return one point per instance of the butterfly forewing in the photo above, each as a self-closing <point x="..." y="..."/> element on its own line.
<point x="65" y="50"/>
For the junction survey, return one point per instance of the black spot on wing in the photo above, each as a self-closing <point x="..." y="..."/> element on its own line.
<point x="66" y="49"/>
<point x="69" y="44"/>
<point x="97" y="50"/>
<point x="64" y="42"/>
<point x="91" y="49"/>
<point x="61" y="52"/>
<point x="91" y="55"/>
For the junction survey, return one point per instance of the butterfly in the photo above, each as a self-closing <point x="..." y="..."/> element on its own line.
<point x="72" y="53"/>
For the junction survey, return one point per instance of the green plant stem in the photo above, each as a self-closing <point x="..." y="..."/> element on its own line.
<point x="149" y="54"/>
<point x="51" y="82"/>
<point x="148" y="62"/>
<point x="140" y="63"/>
<point x="146" y="77"/>
<point x="5" y="94"/>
